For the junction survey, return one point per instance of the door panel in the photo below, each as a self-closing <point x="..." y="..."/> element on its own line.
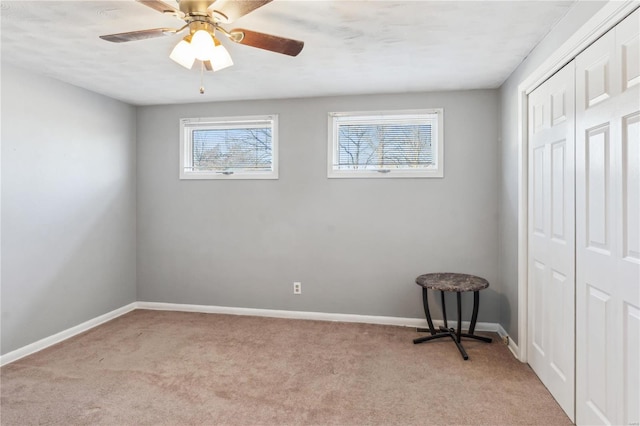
<point x="598" y="308"/>
<point x="558" y="215"/>
<point x="630" y="51"/>
<point x="607" y="227"/>
<point x="551" y="235"/>
<point x="596" y="188"/>
<point x="631" y="364"/>
<point x="631" y="181"/>
<point x="560" y="360"/>
<point x="538" y="191"/>
<point x="538" y="308"/>
<point x="597" y="86"/>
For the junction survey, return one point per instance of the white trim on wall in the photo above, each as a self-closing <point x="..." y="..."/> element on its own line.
<point x="605" y="19"/>
<point x="227" y="310"/>
<point x="513" y="346"/>
<point x="188" y="125"/>
<point x="316" y="316"/>
<point x="433" y="116"/>
<point x="64" y="335"/>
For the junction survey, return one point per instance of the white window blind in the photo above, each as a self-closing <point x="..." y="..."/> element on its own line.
<point x="386" y="144"/>
<point x="227" y="148"/>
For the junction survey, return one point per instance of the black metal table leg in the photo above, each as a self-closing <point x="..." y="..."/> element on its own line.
<point x="451" y="282"/>
<point x="456" y="335"/>
<point x="459" y="332"/>
<point x="426" y="338"/>
<point x="456" y="340"/>
<point x="425" y="304"/>
<point x="474" y="316"/>
<point x="474" y="319"/>
<point x="444" y="310"/>
<point x="475" y="336"/>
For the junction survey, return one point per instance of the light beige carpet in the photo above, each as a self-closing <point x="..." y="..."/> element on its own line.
<point x="152" y="367"/>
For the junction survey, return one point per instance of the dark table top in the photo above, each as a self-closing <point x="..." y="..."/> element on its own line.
<point x="450" y="281"/>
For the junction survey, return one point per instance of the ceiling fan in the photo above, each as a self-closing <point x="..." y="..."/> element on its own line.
<point x="203" y="19"/>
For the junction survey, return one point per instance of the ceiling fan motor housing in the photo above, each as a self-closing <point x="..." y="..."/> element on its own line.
<point x="194" y="7"/>
<point x="203" y="25"/>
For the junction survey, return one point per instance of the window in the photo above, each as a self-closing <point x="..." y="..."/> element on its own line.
<point x="385" y="144"/>
<point x="229" y="148"/>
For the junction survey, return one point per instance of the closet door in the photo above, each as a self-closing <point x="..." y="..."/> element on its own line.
<point x="551" y="289"/>
<point x="608" y="228"/>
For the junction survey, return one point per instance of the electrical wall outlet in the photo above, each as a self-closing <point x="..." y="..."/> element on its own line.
<point x="297" y="288"/>
<point x="505" y="340"/>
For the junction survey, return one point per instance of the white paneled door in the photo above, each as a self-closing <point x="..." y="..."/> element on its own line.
<point x="551" y="290"/>
<point x="608" y="228"/>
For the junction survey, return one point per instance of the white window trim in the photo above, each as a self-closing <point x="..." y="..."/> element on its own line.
<point x="185" y="147"/>
<point x="432" y="172"/>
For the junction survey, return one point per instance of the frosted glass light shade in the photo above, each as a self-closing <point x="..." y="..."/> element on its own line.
<point x="202" y="45"/>
<point x="183" y="54"/>
<point x="220" y="59"/>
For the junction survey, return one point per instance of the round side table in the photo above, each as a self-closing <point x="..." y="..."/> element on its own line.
<point x="458" y="283"/>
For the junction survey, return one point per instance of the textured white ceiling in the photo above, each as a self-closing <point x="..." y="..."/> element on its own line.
<point x="351" y="47"/>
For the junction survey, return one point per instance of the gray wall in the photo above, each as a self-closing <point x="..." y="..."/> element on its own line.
<point x="355" y="244"/>
<point x="68" y="206"/>
<point x="508" y="152"/>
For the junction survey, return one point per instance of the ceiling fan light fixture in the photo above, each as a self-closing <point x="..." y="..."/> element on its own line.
<point x="202" y="45"/>
<point x="220" y="57"/>
<point x="183" y="54"/>
<point x="202" y="23"/>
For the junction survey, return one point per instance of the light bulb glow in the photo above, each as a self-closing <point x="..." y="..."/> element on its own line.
<point x="183" y="54"/>
<point x="220" y="59"/>
<point x="202" y="45"/>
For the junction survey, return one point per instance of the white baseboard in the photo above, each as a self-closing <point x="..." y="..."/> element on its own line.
<point x="513" y="347"/>
<point x="63" y="335"/>
<point x="208" y="309"/>
<point x="318" y="316"/>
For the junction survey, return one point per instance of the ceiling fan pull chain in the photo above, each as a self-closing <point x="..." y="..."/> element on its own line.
<point x="202" y="78"/>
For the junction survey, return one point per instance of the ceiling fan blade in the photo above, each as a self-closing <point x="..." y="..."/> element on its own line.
<point x="160" y="6"/>
<point x="231" y="10"/>
<point x="286" y="46"/>
<point x="138" y="35"/>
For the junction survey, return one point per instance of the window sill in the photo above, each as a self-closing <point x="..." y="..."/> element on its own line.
<point x="234" y="176"/>
<point x="393" y="174"/>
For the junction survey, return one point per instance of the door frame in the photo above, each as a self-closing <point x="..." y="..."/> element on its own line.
<point x="606" y="18"/>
